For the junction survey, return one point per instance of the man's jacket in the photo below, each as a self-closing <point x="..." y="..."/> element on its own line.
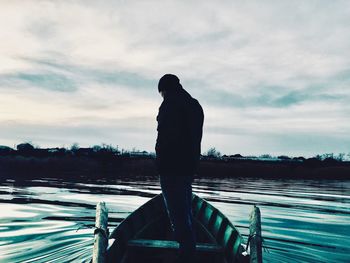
<point x="180" y="124"/>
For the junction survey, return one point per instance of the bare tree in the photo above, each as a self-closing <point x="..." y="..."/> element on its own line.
<point x="212" y="152"/>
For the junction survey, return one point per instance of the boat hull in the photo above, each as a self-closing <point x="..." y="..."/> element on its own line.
<point x="146" y="236"/>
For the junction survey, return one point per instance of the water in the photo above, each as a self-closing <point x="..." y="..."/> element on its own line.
<point x="50" y="220"/>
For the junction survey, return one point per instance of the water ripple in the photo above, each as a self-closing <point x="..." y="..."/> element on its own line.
<point x="51" y="220"/>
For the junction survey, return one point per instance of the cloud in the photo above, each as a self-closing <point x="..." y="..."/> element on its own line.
<point x="107" y="74"/>
<point x="48" y="80"/>
<point x="274" y="97"/>
<point x="261" y="70"/>
<point x="63" y="75"/>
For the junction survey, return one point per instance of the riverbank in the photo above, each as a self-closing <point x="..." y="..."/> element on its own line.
<point x="119" y="166"/>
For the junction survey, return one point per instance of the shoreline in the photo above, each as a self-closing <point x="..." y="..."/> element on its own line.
<point x="120" y="166"/>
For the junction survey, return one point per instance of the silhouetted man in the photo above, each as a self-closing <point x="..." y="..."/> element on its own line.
<point x="180" y="123"/>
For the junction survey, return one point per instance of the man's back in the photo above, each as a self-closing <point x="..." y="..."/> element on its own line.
<point x="180" y="122"/>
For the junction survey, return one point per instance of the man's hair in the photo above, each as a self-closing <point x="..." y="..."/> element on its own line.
<point x="169" y="82"/>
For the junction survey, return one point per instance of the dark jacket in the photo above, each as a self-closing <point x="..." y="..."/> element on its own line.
<point x="180" y="124"/>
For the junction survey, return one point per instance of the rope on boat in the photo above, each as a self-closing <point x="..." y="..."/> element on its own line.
<point x="96" y="230"/>
<point x="262" y="241"/>
<point x="102" y="231"/>
<point x="84" y="226"/>
<point x="251" y="236"/>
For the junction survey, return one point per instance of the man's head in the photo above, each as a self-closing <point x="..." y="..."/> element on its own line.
<point x="168" y="83"/>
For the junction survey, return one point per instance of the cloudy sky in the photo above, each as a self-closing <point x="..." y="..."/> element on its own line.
<point x="272" y="76"/>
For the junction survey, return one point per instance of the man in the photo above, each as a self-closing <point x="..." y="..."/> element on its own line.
<point x="180" y="123"/>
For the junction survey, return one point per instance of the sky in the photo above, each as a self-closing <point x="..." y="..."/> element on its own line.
<point x="273" y="77"/>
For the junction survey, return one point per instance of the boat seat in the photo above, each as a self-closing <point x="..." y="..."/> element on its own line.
<point x="172" y="245"/>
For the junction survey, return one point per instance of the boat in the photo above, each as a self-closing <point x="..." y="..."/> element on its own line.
<point x="146" y="236"/>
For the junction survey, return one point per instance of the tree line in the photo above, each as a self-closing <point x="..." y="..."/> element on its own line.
<point x="105" y="150"/>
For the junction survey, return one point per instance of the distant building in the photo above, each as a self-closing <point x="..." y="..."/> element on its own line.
<point x="139" y="154"/>
<point x="84" y="152"/>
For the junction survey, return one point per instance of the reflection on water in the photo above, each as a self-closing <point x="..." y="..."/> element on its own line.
<point x="51" y="220"/>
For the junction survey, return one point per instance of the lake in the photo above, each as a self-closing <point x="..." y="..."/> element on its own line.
<point x="51" y="220"/>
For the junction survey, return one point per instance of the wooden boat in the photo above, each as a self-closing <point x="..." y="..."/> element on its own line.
<point x="145" y="236"/>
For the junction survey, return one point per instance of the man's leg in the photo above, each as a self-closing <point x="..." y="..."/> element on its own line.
<point x="177" y="193"/>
